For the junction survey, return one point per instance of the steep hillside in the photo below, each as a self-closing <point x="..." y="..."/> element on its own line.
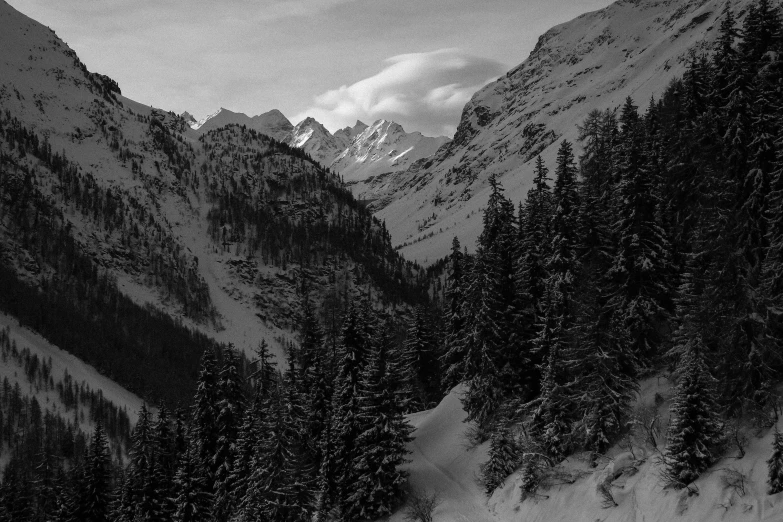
<point x="593" y="62"/>
<point x="442" y="463"/>
<point x="108" y="201"/>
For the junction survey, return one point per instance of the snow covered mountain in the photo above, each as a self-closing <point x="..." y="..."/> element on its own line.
<point x="271" y="123"/>
<point x="312" y="137"/>
<point x="347" y="134"/>
<point x="383" y="147"/>
<point x="190" y="120"/>
<point x="357" y="153"/>
<point x="630" y="48"/>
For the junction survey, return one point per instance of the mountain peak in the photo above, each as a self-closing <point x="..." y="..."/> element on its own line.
<point x="272" y="123"/>
<point x="382" y="147"/>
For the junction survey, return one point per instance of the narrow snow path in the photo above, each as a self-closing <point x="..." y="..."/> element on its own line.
<point x="441" y="464"/>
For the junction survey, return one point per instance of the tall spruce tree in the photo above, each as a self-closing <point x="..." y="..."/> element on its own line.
<point x="381" y="446"/>
<point x="230" y="412"/>
<point x="505" y="456"/>
<point x="192" y="500"/>
<point x="695" y="433"/>
<point x="453" y="360"/>
<point x="640" y="271"/>
<point x="205" y="413"/>
<point x="95" y="497"/>
<point x="775" y="464"/>
<point x="337" y="471"/>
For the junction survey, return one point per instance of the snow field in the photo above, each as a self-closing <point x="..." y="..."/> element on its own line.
<point x="441" y="464"/>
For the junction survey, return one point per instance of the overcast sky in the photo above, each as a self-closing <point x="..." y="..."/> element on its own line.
<point x="413" y="61"/>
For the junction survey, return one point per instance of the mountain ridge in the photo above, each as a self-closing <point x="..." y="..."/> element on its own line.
<point x="592" y="62"/>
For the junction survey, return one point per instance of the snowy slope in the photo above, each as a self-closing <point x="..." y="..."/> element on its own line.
<point x="271" y="123"/>
<point x="383" y="147"/>
<point x="62" y="361"/>
<point x="441" y="464"/>
<point x="631" y="48"/>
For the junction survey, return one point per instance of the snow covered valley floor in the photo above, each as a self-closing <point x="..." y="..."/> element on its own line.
<point x="734" y="489"/>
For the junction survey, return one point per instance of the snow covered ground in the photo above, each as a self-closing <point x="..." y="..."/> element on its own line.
<point x="441" y="464"/>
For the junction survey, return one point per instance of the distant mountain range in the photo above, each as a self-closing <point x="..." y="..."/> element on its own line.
<point x="357" y="153"/>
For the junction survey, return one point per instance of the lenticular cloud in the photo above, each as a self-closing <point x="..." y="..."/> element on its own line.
<point x="421" y="91"/>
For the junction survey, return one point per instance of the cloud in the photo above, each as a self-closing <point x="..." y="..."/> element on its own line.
<point x="420" y="91"/>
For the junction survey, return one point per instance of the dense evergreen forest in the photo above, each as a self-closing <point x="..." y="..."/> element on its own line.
<point x="324" y="437"/>
<point x="658" y="249"/>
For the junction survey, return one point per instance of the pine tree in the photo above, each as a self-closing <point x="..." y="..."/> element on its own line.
<point x="640" y="270"/>
<point x="549" y="423"/>
<point x="602" y="387"/>
<point x="381" y="446"/>
<point x="300" y="464"/>
<point x="695" y="434"/>
<point x="265" y="497"/>
<point x="95" y="497"/>
<point x="454" y="351"/>
<point x="205" y="413"/>
<point x="775" y="464"/>
<point x="420" y="363"/>
<point x="484" y="343"/>
<point x="504" y="458"/>
<point x="317" y="406"/>
<point x="145" y="489"/>
<point x="339" y="474"/>
<point x="193" y="502"/>
<point x="550" y="413"/>
<point x="165" y="461"/>
<point x="230" y="412"/>
<point x="534" y="239"/>
<point x="499" y="241"/>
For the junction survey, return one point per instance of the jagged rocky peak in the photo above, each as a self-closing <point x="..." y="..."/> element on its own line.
<point x="383" y="147"/>
<point x="189" y="119"/>
<point x="311" y="136"/>
<point x="350" y="132"/>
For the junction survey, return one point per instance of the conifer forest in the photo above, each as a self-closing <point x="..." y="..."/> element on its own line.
<point x="652" y="245"/>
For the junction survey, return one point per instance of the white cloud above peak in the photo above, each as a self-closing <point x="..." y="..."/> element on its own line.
<point x="421" y="91"/>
